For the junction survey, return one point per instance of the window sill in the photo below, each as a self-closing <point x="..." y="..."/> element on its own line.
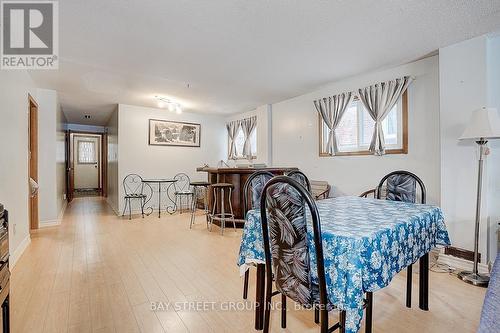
<point x="242" y="158"/>
<point x="401" y="151"/>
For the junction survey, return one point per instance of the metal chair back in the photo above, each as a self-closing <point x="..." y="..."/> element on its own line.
<point x="183" y="182"/>
<point x="284" y="228"/>
<point x="252" y="190"/>
<point x="301" y="178"/>
<point x="133" y="185"/>
<point x="401" y="185"/>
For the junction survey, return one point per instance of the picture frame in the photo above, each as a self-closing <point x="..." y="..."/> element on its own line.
<point x="174" y="133"/>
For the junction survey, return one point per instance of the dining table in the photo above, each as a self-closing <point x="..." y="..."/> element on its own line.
<point x="366" y="242"/>
<point x="166" y="183"/>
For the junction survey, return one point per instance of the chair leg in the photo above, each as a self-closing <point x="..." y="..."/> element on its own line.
<point x="129" y="209"/>
<point x="409" y="278"/>
<point x="369" y="313"/>
<point x="245" y="284"/>
<point x="125" y="208"/>
<point x="143" y="202"/>
<point x="193" y="208"/>
<point x="267" y="312"/>
<point x="324" y="319"/>
<point x="231" y="209"/>
<point x="283" y="311"/>
<point x="316" y="315"/>
<point x="342" y="321"/>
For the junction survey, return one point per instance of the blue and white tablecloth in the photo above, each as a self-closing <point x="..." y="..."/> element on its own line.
<point x="366" y="242"/>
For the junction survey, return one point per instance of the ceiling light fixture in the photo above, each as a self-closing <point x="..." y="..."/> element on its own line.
<point x="169" y="104"/>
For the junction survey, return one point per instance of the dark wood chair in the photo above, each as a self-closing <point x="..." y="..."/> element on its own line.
<point x="284" y="200"/>
<point x="300" y="177"/>
<point x="370" y="193"/>
<point x="402" y="186"/>
<point x="320" y="189"/>
<point x="252" y="190"/>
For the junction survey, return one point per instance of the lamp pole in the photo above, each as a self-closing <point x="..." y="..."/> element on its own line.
<point x="474" y="277"/>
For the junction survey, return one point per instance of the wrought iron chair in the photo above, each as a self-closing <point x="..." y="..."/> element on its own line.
<point x="370" y="193"/>
<point x="252" y="190"/>
<point x="133" y="188"/>
<point x="320" y="189"/>
<point x="284" y="230"/>
<point x="182" y="189"/>
<point x="402" y="186"/>
<point x="301" y="178"/>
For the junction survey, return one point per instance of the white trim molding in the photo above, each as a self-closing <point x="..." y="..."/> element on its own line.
<point x="56" y="222"/>
<point x="460" y="264"/>
<point x="18" y="252"/>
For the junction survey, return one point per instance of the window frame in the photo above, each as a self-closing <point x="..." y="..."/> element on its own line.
<point x="96" y="159"/>
<point x="239" y="158"/>
<point x="404" y="136"/>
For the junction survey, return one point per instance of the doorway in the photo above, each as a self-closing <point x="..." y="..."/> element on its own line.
<point x="87" y="164"/>
<point x="33" y="160"/>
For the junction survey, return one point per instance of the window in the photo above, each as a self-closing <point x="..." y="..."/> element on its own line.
<point x="355" y="130"/>
<point x="86" y="152"/>
<point x="240" y="143"/>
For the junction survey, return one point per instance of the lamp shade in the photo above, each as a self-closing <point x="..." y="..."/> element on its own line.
<point x="484" y="124"/>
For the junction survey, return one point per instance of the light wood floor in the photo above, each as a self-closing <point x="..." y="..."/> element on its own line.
<point x="99" y="273"/>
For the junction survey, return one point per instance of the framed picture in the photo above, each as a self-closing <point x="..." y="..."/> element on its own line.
<point x="174" y="133"/>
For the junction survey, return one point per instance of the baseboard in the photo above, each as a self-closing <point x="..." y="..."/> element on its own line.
<point x="18" y="252"/>
<point x="460" y="264"/>
<point x="49" y="223"/>
<point x="56" y="222"/>
<point x="110" y="204"/>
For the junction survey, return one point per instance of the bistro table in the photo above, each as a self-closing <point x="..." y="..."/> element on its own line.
<point x="169" y="208"/>
<point x="366" y="242"/>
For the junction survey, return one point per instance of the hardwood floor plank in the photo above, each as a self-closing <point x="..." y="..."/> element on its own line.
<point x="100" y="273"/>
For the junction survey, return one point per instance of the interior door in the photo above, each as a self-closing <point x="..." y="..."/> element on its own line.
<point x="69" y="168"/>
<point x="33" y="160"/>
<point x="86" y="162"/>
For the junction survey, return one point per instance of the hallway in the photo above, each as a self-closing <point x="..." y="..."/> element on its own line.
<point x="99" y="273"/>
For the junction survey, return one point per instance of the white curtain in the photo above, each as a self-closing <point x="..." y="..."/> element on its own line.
<point x="331" y="110"/>
<point x="232" y="130"/>
<point x="378" y="100"/>
<point x="248" y="126"/>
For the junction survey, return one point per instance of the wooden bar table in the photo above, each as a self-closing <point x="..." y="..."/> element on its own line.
<point x="237" y="177"/>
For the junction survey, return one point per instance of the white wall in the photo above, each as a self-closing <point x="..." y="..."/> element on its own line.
<point x="14" y="195"/>
<point x="295" y="134"/>
<point x="135" y="155"/>
<point x="60" y="161"/>
<point x="465" y="77"/>
<point x="113" y="183"/>
<point x="493" y="65"/>
<point x="264" y="133"/>
<point x="51" y="163"/>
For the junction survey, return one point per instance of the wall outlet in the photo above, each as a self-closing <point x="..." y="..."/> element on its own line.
<point x="64" y="196"/>
<point x="14" y="228"/>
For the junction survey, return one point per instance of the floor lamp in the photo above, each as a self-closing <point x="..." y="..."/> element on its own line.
<point x="484" y="125"/>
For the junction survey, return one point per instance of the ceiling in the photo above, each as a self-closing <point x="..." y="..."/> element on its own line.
<point x="228" y="56"/>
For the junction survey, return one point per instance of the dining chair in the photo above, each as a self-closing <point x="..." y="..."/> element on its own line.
<point x="284" y="230"/>
<point x="370" y="193"/>
<point x="320" y="189"/>
<point x="401" y="185"/>
<point x="133" y="187"/>
<point x="182" y="189"/>
<point x="252" y="190"/>
<point x="301" y="178"/>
